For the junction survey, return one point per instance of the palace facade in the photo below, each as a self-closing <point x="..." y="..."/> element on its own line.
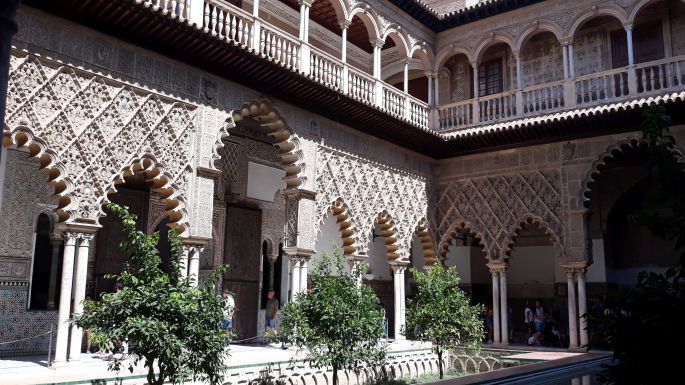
<point x="501" y="137"/>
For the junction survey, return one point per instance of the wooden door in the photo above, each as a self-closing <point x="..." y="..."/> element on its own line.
<point x="243" y="256"/>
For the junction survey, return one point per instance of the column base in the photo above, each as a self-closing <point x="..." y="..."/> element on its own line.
<point x="577" y="349"/>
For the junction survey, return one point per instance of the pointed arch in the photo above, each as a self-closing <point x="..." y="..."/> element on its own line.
<point x="427" y="243"/>
<point x="389" y="233"/>
<point x="275" y="126"/>
<point x="544" y="226"/>
<point x="461" y="226"/>
<point x="539" y="26"/>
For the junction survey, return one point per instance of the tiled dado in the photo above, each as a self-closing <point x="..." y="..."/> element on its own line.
<point x="16" y="322"/>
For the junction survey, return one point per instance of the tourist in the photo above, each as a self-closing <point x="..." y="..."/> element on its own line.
<point x="271" y="312"/>
<point x="229" y="309"/>
<point x="528" y="318"/>
<point x="489" y="322"/>
<point x="539" y="316"/>
<point x="535" y="339"/>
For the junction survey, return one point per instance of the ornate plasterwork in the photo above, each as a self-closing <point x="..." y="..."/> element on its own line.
<point x="90" y="131"/>
<point x="370" y="189"/>
<point x="494" y="207"/>
<point x="26" y="193"/>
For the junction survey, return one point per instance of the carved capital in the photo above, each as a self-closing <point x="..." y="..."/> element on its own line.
<point x="398" y="268"/>
<point x="85" y="239"/>
<point x="377" y="43"/>
<point x="345" y="24"/>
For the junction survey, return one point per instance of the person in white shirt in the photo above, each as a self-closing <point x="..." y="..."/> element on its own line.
<point x="229" y="309"/>
<point x="528" y="318"/>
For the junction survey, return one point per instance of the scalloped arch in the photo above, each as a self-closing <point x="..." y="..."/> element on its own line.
<point x="459" y="227"/>
<point x="546" y="228"/>
<point x="632" y="141"/>
<point x="427" y="243"/>
<point x="389" y="232"/>
<point x="275" y="126"/>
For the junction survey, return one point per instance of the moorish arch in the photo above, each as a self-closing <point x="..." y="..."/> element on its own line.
<point x="88" y="131"/>
<point x="389" y="233"/>
<point x="424" y="235"/>
<point x="532" y="219"/>
<point x="631" y="142"/>
<point x="346" y="227"/>
<point x="458" y="228"/>
<point x="274" y="125"/>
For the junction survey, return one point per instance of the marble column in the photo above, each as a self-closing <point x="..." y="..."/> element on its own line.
<point x="304" y="264"/>
<point x="571" y="62"/>
<point x="582" y="308"/>
<point x="572" y="315"/>
<point x="564" y="58"/>
<point x="194" y="264"/>
<point x="183" y="263"/>
<point x="495" y="305"/>
<point x="629" y="40"/>
<point x="79" y="292"/>
<point x="398" y="293"/>
<point x="294" y="277"/>
<point x="62" y="339"/>
<point x="503" y="305"/>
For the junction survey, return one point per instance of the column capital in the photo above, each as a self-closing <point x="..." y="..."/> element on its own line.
<point x="298" y="193"/>
<point x="345" y="24"/>
<point x="86" y="238"/>
<point x="194" y="241"/>
<point x="377" y="43"/>
<point x="474" y="63"/>
<point x="431" y="74"/>
<point x="497" y="267"/>
<point x="628" y="26"/>
<point x="306" y="3"/>
<point x="398" y="267"/>
<point x="566" y="41"/>
<point x="298" y="252"/>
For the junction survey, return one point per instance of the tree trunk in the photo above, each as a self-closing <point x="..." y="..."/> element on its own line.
<point x="335" y="374"/>
<point x="440" y="363"/>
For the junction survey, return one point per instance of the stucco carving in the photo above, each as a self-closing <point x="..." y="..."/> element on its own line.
<point x="370" y="188"/>
<point x="90" y="132"/>
<point x="493" y="207"/>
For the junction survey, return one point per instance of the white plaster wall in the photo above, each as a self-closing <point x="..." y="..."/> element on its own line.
<point x="533" y="271"/>
<point x="377" y="258"/>
<point x="460" y="258"/>
<point x="327" y="234"/>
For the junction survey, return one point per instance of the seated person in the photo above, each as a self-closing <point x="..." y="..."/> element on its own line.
<point x="535" y="339"/>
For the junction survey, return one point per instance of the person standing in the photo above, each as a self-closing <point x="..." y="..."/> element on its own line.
<point x="271" y="312"/>
<point x="540" y="317"/>
<point x="229" y="309"/>
<point x="528" y="318"/>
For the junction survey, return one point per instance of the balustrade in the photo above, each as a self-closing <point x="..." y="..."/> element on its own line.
<point x="230" y="23"/>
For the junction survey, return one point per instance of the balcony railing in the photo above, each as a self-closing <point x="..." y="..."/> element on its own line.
<point x="234" y="25"/>
<point x="644" y="79"/>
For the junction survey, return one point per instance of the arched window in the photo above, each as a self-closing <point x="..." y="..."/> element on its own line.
<point x="45" y="270"/>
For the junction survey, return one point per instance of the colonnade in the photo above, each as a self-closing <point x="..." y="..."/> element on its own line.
<point x="76" y="251"/>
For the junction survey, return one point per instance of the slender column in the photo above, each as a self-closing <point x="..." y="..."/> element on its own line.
<point x="54" y="266"/>
<point x="62" y="340"/>
<point x="344" y="26"/>
<point x="519" y="70"/>
<point x="431" y="97"/>
<point x="398" y="285"/>
<point x="294" y="277"/>
<point x="564" y="59"/>
<point x="194" y="264"/>
<point x="629" y="39"/>
<point x="572" y="316"/>
<point x="582" y="308"/>
<point x="403" y="301"/>
<point x="304" y="264"/>
<point x="476" y="104"/>
<point x="79" y="293"/>
<point x="504" y="306"/>
<point x="495" y="305"/>
<point x="571" y="61"/>
<point x="406" y="76"/>
<point x="183" y="263"/>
